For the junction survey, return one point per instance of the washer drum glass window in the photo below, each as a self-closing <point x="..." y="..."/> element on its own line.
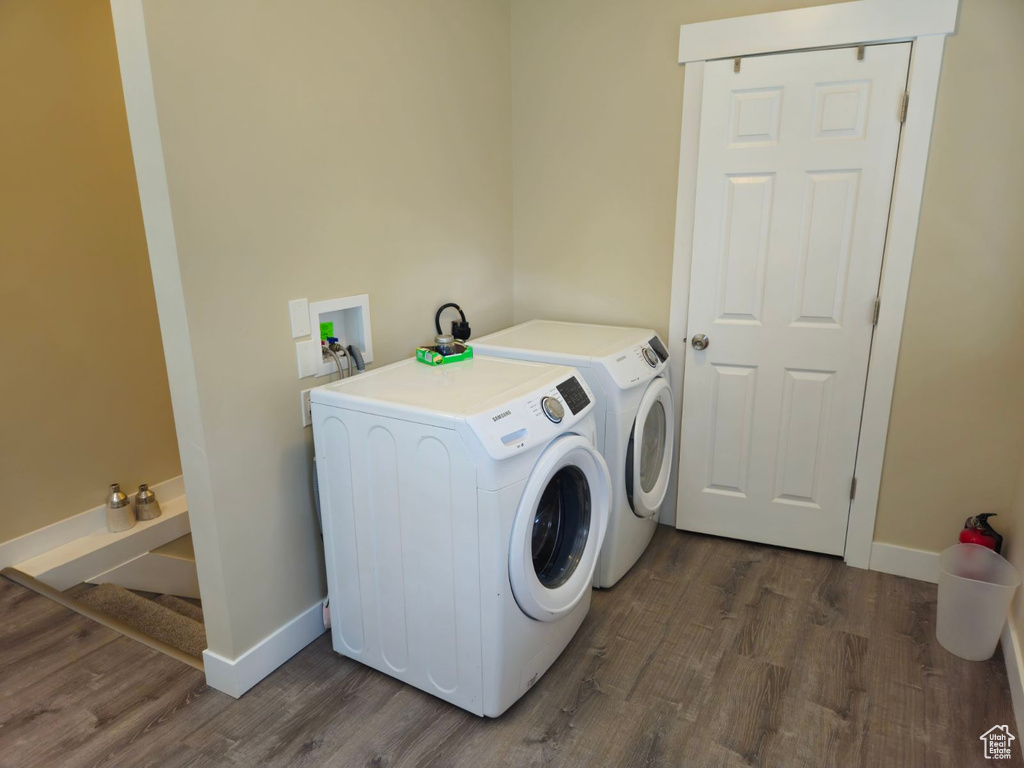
<point x="558" y="528"/>
<point x="561" y="526"/>
<point x="649" y="464"/>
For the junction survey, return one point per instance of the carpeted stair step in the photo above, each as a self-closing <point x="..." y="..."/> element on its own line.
<point x="148" y="616"/>
<point x="184" y="607"/>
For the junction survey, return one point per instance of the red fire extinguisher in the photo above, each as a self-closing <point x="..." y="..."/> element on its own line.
<point x="978" y="531"/>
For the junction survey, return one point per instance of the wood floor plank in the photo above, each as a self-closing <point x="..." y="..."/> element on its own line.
<point x="825" y="711"/>
<point x="54" y="642"/>
<point x="836" y="676"/>
<point x="750" y="723"/>
<point x="709" y="652"/>
<point x="38" y="636"/>
<point x="82" y="707"/>
<point x="704" y="625"/>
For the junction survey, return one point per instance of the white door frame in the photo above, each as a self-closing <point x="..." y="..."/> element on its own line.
<point x="925" y="23"/>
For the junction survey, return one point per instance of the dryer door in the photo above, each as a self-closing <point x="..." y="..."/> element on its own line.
<point x="649" y="455"/>
<point x="558" y="528"/>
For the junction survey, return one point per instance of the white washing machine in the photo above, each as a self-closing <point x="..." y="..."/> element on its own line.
<point x="464" y="507"/>
<point x="627" y="369"/>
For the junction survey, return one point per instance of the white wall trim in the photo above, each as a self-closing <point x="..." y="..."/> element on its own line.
<point x="1010" y="642"/>
<point x="862" y="21"/>
<point x="917" y="564"/>
<point x="78" y="526"/>
<point x="908" y="188"/>
<point x="925" y="22"/>
<point x="155" y="200"/>
<point x="686" y="207"/>
<point x="236" y="676"/>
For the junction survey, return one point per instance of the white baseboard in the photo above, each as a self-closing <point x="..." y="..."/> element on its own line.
<point x="1014" y="671"/>
<point x="917" y="564"/>
<point x="76" y="527"/>
<point x="236" y="676"/>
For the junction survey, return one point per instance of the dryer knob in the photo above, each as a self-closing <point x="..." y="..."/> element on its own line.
<point x="552" y="409"/>
<point x="651" y="357"/>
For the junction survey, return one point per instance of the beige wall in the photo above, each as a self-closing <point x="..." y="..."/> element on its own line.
<point x="319" y="151"/>
<point x="83" y="388"/>
<point x="597" y="104"/>
<point x="956" y="434"/>
<point x="598" y="96"/>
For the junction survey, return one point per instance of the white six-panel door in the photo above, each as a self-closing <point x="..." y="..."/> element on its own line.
<point x="797" y="154"/>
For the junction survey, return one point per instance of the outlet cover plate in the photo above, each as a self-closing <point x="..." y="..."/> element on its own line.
<point x="298" y="311"/>
<point x="306" y="353"/>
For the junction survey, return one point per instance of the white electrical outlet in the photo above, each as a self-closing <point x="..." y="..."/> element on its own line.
<point x="307" y="408"/>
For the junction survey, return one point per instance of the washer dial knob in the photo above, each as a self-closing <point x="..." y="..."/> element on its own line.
<point x="552" y="409"/>
<point x="651" y="357"/>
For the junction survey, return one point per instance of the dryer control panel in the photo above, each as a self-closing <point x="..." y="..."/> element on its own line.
<point x="520" y="425"/>
<point x="637" y="364"/>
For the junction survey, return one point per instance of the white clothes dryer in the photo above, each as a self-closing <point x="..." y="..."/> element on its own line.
<point x="627" y="369"/>
<point x="464" y="507"/>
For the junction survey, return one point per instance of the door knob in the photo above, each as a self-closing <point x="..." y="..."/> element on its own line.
<point x="700" y="341"/>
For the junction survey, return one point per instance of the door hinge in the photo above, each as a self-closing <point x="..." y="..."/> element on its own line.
<point x="903" y="106"/>
<point x="736" y="64"/>
<point x="876" y="310"/>
<point x="853" y="489"/>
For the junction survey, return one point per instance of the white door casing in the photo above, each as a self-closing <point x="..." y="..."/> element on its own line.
<point x="794" y="180"/>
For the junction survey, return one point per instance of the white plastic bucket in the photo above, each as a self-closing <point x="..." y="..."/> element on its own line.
<point x="975" y="589"/>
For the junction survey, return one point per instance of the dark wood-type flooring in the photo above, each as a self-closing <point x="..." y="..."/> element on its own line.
<point x="709" y="653"/>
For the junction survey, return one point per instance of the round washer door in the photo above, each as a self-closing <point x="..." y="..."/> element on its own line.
<point x="649" y="455"/>
<point x="559" y="528"/>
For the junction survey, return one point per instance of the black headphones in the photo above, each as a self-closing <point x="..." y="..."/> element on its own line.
<point x="460" y="328"/>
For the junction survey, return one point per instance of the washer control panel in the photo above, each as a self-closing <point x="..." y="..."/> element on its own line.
<point x="651" y="358"/>
<point x="535" y="419"/>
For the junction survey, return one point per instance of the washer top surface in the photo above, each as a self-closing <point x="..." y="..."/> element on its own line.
<point x="566" y="338"/>
<point x="459" y="389"/>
